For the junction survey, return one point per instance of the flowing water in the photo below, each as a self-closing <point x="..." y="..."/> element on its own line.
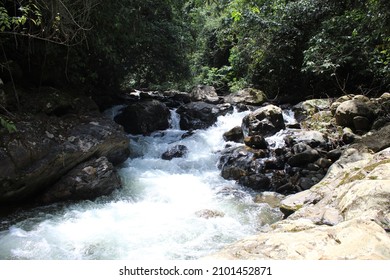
<point x="160" y="213"/>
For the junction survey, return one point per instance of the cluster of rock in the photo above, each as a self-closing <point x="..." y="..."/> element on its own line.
<point x="295" y="163"/>
<point x="346" y="215"/>
<point x="148" y="112"/>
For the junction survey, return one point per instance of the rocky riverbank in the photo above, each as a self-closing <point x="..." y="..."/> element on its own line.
<point x="63" y="149"/>
<point x="345" y="215"/>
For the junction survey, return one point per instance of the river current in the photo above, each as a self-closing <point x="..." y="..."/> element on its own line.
<point x="161" y="213"/>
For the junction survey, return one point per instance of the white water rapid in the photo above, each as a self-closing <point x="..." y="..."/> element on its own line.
<point x="159" y="214"/>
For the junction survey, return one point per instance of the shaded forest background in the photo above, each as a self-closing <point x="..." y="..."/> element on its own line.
<point x="289" y="49"/>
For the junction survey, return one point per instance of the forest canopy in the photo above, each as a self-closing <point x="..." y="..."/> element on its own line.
<point x="286" y="48"/>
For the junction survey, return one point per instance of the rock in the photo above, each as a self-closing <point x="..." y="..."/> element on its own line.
<point x="348" y="110"/>
<point x="273" y="199"/>
<point x="369" y="196"/>
<point x="201" y="115"/>
<point x="144" y="117"/>
<point x="306" y="183"/>
<point x="247" y="96"/>
<point x="34" y="161"/>
<point x="323" y="163"/>
<point x="256" y="142"/>
<point x="385" y="96"/>
<point x="334" y="154"/>
<point x="307" y="108"/>
<point x="176" y="98"/>
<point x="310" y="137"/>
<point x="209" y="214"/>
<point x="177" y="151"/>
<point x="258" y="182"/>
<point x="303" y="158"/>
<point x="235" y="163"/>
<point x="88" y="180"/>
<point x="361" y="124"/>
<point x="234" y="135"/>
<point x="204" y="93"/>
<point x="348" y="136"/>
<point x="295" y="202"/>
<point x="377" y="141"/>
<point x="265" y="121"/>
<point x="301" y="240"/>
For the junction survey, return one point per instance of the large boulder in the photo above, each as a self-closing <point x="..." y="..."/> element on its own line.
<point x="302" y="240"/>
<point x="144" y="117"/>
<point x="265" y="121"/>
<point x="46" y="148"/>
<point x="201" y="115"/>
<point x="347" y="112"/>
<point x="247" y="96"/>
<point x="88" y="180"/>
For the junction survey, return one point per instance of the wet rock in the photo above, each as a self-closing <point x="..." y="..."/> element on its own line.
<point x="275" y="163"/>
<point x="209" y="214"/>
<point x="247" y="96"/>
<point x="144" y="117"/>
<point x="306" y="183"/>
<point x="334" y="154"/>
<point x="234" y="135"/>
<point x="201" y="115"/>
<point x="88" y="180"/>
<point x="256" y="142"/>
<point x="177" y="151"/>
<point x="265" y="121"/>
<point x="237" y="162"/>
<point x="273" y="199"/>
<point x="303" y="158"/>
<point x="258" y="182"/>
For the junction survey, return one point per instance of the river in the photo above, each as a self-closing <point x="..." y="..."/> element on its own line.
<point x="161" y="213"/>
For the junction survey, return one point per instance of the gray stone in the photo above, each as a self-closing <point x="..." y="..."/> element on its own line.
<point x="348" y="110"/>
<point x="88" y="180"/>
<point x="234" y="135"/>
<point x="144" y="117"/>
<point x="265" y="121"/>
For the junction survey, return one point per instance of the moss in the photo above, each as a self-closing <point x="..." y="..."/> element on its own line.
<point x="362" y="173"/>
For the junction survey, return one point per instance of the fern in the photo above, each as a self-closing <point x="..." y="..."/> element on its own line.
<point x="7" y="124"/>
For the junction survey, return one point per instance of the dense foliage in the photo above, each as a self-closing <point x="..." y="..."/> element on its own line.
<point x="295" y="48"/>
<point x="94" y="43"/>
<point x="288" y="48"/>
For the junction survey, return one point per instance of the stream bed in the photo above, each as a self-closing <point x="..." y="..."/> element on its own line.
<point x="167" y="209"/>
